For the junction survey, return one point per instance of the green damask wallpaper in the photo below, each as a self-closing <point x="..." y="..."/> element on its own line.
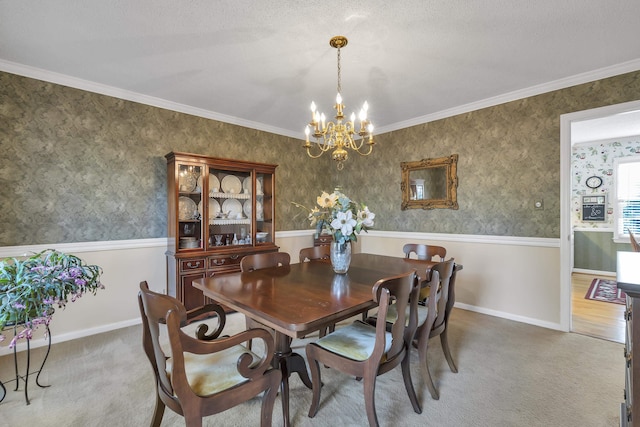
<point x="78" y="166"/>
<point x="509" y="155"/>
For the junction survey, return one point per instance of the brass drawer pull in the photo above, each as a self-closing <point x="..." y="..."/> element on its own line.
<point x="197" y="264"/>
<point x="234" y="256"/>
<point x="217" y="261"/>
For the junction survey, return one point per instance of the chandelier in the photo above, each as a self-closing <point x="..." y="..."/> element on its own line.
<point x="338" y="136"/>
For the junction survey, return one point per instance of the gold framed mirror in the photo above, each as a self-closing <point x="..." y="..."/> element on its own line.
<point x="430" y="183"/>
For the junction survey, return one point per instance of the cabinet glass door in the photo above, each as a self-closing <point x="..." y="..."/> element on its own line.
<point x="229" y="208"/>
<point x="264" y="208"/>
<point x="190" y="229"/>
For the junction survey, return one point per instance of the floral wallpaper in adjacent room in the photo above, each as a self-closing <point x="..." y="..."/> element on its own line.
<point x="596" y="159"/>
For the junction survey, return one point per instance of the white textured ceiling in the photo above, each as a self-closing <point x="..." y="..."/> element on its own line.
<point x="260" y="63"/>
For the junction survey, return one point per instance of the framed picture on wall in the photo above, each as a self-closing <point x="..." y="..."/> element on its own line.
<point x="594" y="208"/>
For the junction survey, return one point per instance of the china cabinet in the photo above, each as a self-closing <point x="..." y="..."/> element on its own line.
<point x="219" y="210"/>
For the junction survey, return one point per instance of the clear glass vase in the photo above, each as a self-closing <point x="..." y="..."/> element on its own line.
<point x="340" y="256"/>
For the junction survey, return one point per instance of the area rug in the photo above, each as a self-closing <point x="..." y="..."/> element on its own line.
<point x="605" y="290"/>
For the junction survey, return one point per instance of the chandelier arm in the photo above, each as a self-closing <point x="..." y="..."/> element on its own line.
<point x="314" y="156"/>
<point x="367" y="153"/>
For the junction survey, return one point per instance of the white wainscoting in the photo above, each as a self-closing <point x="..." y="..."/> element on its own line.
<point x="511" y="277"/>
<point x="517" y="278"/>
<point x="125" y="264"/>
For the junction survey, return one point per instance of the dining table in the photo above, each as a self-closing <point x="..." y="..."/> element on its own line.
<point x="298" y="299"/>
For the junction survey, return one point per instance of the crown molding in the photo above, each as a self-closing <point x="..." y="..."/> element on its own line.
<point x="89" y="86"/>
<point x="602" y="73"/>
<point x="74" y="82"/>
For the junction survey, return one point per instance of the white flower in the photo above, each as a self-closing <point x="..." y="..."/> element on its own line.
<point x="327" y="200"/>
<point x="344" y="222"/>
<point x="339" y="216"/>
<point x="366" y="217"/>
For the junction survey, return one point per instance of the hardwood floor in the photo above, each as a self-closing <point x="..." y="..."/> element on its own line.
<point x="595" y="318"/>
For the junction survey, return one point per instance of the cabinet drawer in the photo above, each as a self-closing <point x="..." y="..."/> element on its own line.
<point x="323" y="239"/>
<point x="224" y="261"/>
<point x="192" y="264"/>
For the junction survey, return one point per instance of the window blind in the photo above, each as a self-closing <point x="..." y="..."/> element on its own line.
<point x="628" y="198"/>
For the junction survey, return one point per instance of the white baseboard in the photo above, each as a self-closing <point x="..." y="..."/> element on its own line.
<point x="55" y="339"/>
<point x="594" y="272"/>
<point x="509" y="316"/>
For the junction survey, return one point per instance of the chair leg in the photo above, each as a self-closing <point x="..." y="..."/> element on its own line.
<point x="408" y="384"/>
<point x="424" y="367"/>
<point x="370" y="398"/>
<point x="192" y="418"/>
<point x="447" y="353"/>
<point x="314" y="367"/>
<point x="158" y="412"/>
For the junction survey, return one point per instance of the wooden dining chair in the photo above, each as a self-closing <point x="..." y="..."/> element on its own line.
<point x="315" y="252"/>
<point x="322" y="252"/>
<point x="634" y="242"/>
<point x="367" y="351"/>
<point x="433" y="318"/>
<point x="257" y="262"/>
<point x="206" y="374"/>
<point x="264" y="260"/>
<point x="424" y="252"/>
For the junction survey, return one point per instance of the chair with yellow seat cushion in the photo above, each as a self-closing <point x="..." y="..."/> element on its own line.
<point x="425" y="253"/>
<point x="433" y="318"/>
<point x="207" y="374"/>
<point x="366" y="351"/>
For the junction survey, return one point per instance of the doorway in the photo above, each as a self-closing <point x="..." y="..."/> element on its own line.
<point x="568" y="124"/>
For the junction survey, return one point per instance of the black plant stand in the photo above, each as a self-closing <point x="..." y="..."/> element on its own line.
<point x="25" y="377"/>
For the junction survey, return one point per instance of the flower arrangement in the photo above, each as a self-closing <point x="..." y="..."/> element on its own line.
<point x="340" y="216"/>
<point x="29" y="288"/>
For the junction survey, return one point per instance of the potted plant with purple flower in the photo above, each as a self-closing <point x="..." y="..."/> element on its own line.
<point x="31" y="288"/>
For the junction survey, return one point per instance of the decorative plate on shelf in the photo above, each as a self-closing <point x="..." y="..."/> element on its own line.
<point x="186" y="208"/>
<point x="187" y="182"/>
<point x="214" y="208"/>
<point x="214" y="184"/>
<point x="259" y="188"/>
<point x="231" y="184"/>
<point x="247" y="208"/>
<point x="232" y="207"/>
<point x="246" y="185"/>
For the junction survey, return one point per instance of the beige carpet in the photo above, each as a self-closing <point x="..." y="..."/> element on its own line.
<point x="510" y="374"/>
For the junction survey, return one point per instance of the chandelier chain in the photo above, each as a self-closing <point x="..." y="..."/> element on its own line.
<point x="339" y="69"/>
